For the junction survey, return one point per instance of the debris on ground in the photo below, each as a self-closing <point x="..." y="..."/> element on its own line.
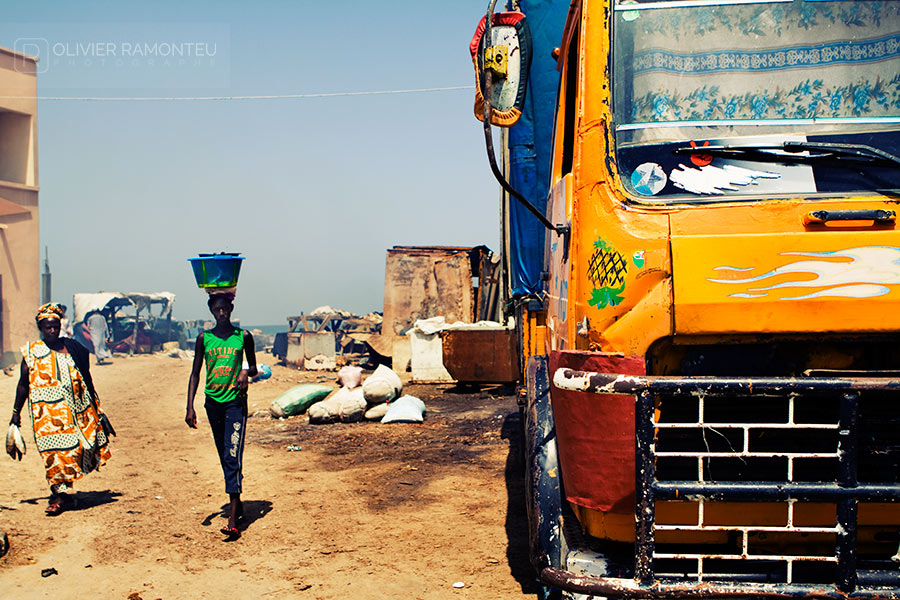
<point x="181" y="354"/>
<point x="320" y="362"/>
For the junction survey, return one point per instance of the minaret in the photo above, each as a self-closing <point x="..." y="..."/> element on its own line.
<point x="46" y="295"/>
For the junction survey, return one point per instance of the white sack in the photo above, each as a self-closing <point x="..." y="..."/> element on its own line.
<point x="377" y="412"/>
<point x="350" y="377"/>
<point x="382" y="386"/>
<point x="344" y="405"/>
<point x="406" y="409"/>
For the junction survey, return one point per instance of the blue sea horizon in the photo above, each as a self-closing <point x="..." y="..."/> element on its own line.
<point x="266" y="329"/>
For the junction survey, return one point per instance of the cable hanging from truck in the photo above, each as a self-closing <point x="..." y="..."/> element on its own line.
<point x="486" y="76"/>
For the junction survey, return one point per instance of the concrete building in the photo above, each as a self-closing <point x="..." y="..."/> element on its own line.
<point x="19" y="243"/>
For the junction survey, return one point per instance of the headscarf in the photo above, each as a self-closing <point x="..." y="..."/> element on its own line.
<point x="51" y="310"/>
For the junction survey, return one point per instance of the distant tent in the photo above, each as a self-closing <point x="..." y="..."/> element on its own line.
<point x="113" y="301"/>
<point x="86" y="303"/>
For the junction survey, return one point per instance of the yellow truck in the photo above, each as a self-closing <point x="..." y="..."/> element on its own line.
<point x="712" y="363"/>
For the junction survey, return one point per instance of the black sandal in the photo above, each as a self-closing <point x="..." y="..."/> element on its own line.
<point x="56" y="506"/>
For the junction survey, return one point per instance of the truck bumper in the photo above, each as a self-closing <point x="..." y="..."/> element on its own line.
<point x="630" y="588"/>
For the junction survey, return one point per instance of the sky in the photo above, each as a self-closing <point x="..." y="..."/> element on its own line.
<point x="312" y="191"/>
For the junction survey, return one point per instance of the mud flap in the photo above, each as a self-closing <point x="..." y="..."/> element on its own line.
<point x="542" y="477"/>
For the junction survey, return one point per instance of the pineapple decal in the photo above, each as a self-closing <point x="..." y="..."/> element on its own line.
<point x="606" y="270"/>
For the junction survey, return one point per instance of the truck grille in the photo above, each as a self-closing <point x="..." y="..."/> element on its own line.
<point x="775" y="441"/>
<point x="786" y="484"/>
<point x="790" y="439"/>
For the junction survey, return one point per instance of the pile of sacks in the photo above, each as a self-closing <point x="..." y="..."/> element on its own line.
<point x="350" y="402"/>
<point x="381" y="391"/>
<point x="378" y="398"/>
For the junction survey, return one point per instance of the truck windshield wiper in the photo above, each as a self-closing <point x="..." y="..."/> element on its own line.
<point x="789" y="152"/>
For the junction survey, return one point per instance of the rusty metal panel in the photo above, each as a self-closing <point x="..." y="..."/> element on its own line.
<point x="425" y="282"/>
<point x="481" y="355"/>
<point x="304" y="346"/>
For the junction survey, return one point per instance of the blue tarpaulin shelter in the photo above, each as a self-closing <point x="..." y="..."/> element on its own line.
<point x="530" y="145"/>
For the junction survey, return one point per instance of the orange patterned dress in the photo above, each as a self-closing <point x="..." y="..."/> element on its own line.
<point x="67" y="430"/>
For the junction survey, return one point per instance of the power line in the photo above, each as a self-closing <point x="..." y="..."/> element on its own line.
<point x="225" y="98"/>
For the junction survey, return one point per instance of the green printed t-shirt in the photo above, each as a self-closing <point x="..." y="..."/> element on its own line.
<point x="223" y="363"/>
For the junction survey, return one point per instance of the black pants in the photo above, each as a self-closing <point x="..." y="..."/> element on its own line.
<point x="228" y="421"/>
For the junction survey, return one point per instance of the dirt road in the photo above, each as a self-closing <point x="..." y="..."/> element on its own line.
<point x="360" y="511"/>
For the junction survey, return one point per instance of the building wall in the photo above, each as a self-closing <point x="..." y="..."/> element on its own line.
<point x="19" y="240"/>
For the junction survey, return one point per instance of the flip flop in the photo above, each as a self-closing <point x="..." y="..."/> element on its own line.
<point x="233" y="533"/>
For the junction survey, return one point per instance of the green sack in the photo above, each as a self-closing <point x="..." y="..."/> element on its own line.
<point x="296" y="400"/>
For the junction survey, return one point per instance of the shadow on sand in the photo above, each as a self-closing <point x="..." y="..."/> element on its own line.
<point x="86" y="500"/>
<point x="254" y="510"/>
<point x="517" y="552"/>
<point x="83" y="500"/>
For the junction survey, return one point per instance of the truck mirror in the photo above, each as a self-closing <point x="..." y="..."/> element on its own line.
<point x="502" y="59"/>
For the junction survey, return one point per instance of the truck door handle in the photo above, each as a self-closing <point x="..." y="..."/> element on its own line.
<point x="877" y="215"/>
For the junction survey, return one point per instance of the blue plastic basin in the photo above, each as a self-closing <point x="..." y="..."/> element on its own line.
<point x="217" y="270"/>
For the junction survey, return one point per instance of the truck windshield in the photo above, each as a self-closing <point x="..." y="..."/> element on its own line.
<point x="792" y="97"/>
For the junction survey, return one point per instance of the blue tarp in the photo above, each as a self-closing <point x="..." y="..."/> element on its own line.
<point x="530" y="147"/>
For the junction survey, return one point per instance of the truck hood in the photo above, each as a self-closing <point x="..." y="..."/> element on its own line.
<point x="770" y="274"/>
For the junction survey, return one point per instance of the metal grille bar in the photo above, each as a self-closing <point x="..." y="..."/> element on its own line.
<point x="645" y="475"/>
<point x="848" y="436"/>
<point x="762" y="490"/>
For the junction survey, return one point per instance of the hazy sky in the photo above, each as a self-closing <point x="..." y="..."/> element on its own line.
<point x="312" y="191"/>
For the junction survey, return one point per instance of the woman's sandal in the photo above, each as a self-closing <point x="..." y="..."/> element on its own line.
<point x="55" y="507"/>
<point x="61" y="504"/>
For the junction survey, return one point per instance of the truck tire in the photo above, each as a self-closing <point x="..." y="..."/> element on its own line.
<point x="543" y="484"/>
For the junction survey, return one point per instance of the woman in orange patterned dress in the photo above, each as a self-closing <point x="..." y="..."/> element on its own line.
<point x="55" y="378"/>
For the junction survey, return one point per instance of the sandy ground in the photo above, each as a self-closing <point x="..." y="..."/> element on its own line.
<point x="359" y="511"/>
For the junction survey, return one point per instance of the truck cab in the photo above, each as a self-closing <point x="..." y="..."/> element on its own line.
<point x="712" y="406"/>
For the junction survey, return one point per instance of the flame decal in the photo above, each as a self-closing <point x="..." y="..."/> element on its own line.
<point x="864" y="272"/>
